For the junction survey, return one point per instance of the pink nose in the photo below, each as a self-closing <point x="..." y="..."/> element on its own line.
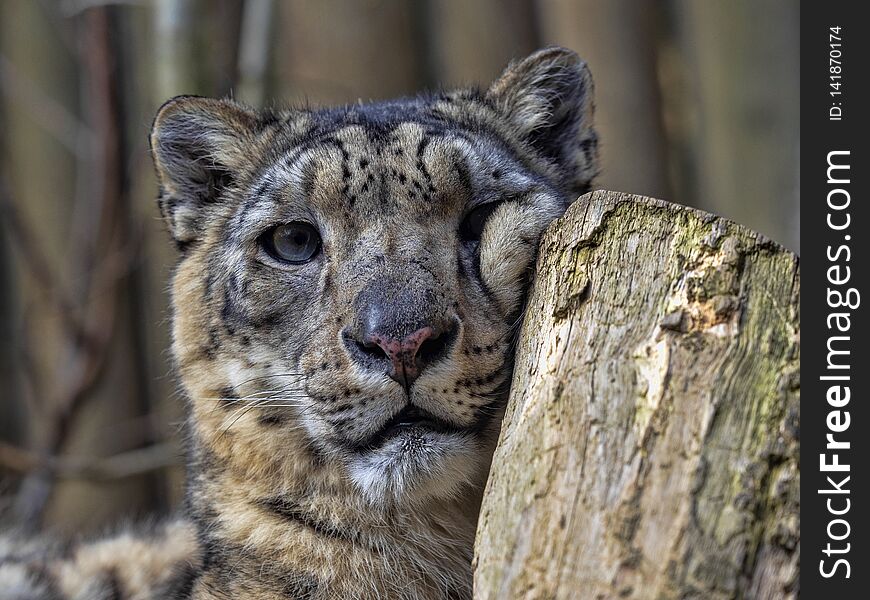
<point x="404" y="354"/>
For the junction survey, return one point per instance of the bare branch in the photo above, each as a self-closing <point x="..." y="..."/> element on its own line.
<point x="71" y="8"/>
<point x="119" y="466"/>
<point x="38" y="266"/>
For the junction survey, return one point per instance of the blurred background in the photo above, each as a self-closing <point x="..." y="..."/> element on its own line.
<point x="697" y="103"/>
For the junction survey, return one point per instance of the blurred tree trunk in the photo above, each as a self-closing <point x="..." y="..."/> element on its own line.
<point x="13" y="425"/>
<point x="744" y="65"/>
<point x="222" y="49"/>
<point x="618" y="40"/>
<point x="175" y="67"/>
<point x="255" y="45"/>
<point x="471" y="42"/>
<point x="177" y="48"/>
<point x="650" y="446"/>
<point x="333" y="52"/>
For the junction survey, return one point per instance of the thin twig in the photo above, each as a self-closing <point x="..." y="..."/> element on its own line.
<point x="119" y="466"/>
<point x="38" y="266"/>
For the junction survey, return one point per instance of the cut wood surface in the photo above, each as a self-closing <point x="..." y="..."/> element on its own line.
<point x="650" y="446"/>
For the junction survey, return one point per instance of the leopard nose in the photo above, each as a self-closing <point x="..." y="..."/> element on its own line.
<point x="403" y="358"/>
<point x="403" y="354"/>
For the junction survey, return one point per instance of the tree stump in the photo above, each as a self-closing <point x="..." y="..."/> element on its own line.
<point x="650" y="445"/>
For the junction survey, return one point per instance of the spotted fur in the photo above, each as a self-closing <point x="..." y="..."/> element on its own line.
<point x="295" y="489"/>
<point x="159" y="561"/>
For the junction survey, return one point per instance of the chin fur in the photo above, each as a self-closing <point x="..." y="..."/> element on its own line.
<point x="417" y="466"/>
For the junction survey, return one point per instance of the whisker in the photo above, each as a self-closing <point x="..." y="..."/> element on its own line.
<point x="255" y="395"/>
<point x="269" y="402"/>
<point x="233" y="400"/>
<point x="270" y="375"/>
<point x="243" y="412"/>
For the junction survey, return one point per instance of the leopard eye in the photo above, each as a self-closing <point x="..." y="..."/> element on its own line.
<point x="295" y="243"/>
<point x="472" y="226"/>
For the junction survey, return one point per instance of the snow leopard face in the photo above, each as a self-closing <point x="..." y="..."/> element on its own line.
<point x="352" y="279"/>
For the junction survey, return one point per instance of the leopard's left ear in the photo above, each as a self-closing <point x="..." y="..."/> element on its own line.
<point x="548" y="100"/>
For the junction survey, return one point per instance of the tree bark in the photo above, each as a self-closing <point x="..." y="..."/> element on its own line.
<point x="650" y="446"/>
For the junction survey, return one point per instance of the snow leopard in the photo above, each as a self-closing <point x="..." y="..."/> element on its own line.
<point x="345" y="310"/>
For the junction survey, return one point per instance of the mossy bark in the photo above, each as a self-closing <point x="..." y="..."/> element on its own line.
<point x="650" y="446"/>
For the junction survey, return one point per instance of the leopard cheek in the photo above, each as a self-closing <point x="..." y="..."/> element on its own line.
<point x="508" y="248"/>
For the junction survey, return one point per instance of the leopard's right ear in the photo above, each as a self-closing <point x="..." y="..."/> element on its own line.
<point x="199" y="145"/>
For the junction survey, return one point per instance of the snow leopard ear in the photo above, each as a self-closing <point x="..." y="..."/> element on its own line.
<point x="199" y="145"/>
<point x="548" y="100"/>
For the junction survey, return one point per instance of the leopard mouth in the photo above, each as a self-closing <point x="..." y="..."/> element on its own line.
<point x="410" y="420"/>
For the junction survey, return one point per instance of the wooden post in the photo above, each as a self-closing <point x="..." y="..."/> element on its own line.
<point x="650" y="446"/>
